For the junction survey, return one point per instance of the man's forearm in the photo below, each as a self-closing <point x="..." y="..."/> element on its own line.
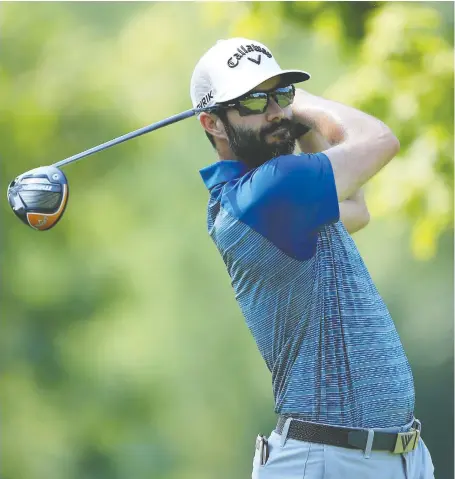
<point x="335" y="122"/>
<point x="363" y="144"/>
<point x="318" y="115"/>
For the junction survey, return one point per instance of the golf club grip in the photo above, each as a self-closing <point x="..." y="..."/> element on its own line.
<point x="128" y="136"/>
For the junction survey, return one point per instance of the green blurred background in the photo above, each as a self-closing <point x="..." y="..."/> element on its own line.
<point x="123" y="352"/>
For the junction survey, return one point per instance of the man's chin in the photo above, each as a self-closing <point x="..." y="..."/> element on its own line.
<point x="285" y="145"/>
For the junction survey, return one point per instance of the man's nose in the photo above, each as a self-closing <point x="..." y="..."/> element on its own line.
<point x="274" y="112"/>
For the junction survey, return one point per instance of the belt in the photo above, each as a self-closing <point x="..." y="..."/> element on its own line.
<point x="396" y="443"/>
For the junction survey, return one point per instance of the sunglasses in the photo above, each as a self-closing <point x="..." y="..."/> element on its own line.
<point x="257" y="102"/>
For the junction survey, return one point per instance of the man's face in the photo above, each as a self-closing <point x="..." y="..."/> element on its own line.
<point x="255" y="139"/>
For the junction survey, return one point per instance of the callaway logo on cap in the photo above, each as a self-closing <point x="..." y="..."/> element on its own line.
<point x="232" y="68"/>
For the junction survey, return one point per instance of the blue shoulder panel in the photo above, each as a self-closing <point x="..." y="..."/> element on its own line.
<point x="287" y="200"/>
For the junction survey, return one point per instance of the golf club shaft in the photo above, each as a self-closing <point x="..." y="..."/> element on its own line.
<point x="128" y="136"/>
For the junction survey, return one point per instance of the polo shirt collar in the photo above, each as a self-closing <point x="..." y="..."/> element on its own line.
<point x="222" y="172"/>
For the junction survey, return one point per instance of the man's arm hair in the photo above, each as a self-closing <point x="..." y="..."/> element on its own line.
<point x="362" y="144"/>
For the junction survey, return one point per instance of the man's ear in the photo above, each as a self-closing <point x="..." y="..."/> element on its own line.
<point x="212" y="124"/>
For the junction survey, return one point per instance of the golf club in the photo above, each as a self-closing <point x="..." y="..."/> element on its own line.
<point x="39" y="196"/>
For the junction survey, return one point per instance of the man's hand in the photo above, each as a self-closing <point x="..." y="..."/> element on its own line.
<point x="312" y="142"/>
<point x="353" y="210"/>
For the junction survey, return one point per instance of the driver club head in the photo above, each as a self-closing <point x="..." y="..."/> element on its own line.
<point x="39" y="197"/>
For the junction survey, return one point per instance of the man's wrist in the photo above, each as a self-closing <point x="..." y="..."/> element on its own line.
<point x="315" y="113"/>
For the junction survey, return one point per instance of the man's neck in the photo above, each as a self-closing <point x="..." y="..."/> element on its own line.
<point x="225" y="153"/>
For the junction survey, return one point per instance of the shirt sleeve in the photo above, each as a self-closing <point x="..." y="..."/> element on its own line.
<point x="288" y="199"/>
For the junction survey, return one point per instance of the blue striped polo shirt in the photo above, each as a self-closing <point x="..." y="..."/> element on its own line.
<point x="317" y="318"/>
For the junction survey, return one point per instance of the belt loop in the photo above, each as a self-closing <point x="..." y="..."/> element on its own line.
<point x="369" y="445"/>
<point x="284" y="432"/>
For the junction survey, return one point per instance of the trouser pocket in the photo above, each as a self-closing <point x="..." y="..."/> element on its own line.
<point x="261" y="455"/>
<point x="290" y="461"/>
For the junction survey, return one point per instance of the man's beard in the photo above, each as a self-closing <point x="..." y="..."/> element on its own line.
<point x="252" y="148"/>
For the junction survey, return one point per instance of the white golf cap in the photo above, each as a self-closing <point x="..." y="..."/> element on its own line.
<point x="232" y="68"/>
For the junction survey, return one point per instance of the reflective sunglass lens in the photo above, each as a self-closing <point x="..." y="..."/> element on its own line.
<point x="284" y="100"/>
<point x="285" y="96"/>
<point x="256" y="103"/>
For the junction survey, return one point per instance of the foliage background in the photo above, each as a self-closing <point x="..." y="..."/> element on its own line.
<point x="123" y="351"/>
